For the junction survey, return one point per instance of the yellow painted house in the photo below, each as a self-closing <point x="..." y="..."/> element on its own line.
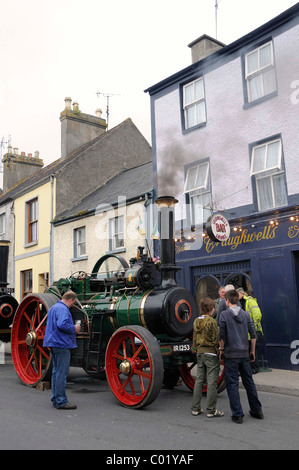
<point x="33" y="212"/>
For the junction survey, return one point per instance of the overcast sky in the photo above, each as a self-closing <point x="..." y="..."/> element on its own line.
<point x="50" y="49"/>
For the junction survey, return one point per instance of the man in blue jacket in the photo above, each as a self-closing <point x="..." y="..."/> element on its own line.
<point x="60" y="337"/>
<point x="234" y="326"/>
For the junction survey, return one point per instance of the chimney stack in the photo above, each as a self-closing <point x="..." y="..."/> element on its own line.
<point x="203" y="47"/>
<point x="18" y="167"/>
<point x="78" y="128"/>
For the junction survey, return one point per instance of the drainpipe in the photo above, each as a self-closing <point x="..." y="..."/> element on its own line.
<point x="51" y="267"/>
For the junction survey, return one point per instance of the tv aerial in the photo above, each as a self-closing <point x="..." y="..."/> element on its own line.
<point x="2" y="146"/>
<point x="107" y="96"/>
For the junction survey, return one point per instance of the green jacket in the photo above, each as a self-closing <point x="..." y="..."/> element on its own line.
<point x="253" y="309"/>
<point x="205" y="335"/>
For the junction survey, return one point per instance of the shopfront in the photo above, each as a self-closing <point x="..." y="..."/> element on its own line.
<point x="263" y="258"/>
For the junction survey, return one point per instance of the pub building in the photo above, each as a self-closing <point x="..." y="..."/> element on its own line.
<point x="225" y="141"/>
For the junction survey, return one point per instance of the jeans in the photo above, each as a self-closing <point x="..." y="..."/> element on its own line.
<point x="232" y="369"/>
<point x="207" y="370"/>
<point x="60" y="369"/>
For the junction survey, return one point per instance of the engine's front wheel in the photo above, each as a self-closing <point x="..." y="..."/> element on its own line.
<point x="134" y="366"/>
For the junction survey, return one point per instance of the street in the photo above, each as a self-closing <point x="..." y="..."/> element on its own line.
<point x="28" y="421"/>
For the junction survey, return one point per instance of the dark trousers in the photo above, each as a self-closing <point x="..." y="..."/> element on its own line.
<point x="232" y="369"/>
<point x="60" y="369"/>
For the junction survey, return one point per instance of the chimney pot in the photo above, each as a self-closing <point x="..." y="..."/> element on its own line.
<point x="99" y="113"/>
<point x="75" y="106"/>
<point x="9" y="149"/>
<point x="36" y="154"/>
<point x="23" y="154"/>
<point x="68" y="102"/>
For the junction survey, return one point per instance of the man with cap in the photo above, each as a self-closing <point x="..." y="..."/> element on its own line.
<point x="222" y="304"/>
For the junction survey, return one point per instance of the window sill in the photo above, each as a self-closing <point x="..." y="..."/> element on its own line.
<point x="81" y="258"/>
<point x="28" y="245"/>
<point x="117" y="250"/>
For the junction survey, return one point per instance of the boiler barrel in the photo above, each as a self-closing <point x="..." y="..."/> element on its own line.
<point x="171" y="311"/>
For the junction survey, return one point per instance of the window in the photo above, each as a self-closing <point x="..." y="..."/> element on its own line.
<point x="198" y="191"/>
<point x="2" y="223"/>
<point x="194" y="103"/>
<point x="268" y="173"/>
<point x="79" y="242"/>
<point x="116" y="233"/>
<point x="26" y="279"/>
<point x="32" y="221"/>
<point x="260" y="72"/>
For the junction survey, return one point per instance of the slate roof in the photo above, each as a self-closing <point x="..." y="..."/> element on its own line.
<point x="38" y="178"/>
<point x="131" y="184"/>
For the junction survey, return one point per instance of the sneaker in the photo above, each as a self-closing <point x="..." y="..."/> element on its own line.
<point x="258" y="415"/>
<point x="237" y="419"/>
<point x="216" y="414"/>
<point x="196" y="413"/>
<point x="67" y="406"/>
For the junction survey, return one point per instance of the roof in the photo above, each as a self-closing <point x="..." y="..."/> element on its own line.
<point x="131" y="184"/>
<point x="41" y="176"/>
<point x="213" y="60"/>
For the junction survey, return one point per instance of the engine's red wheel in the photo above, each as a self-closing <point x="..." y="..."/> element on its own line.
<point x="188" y="374"/>
<point x="31" y="360"/>
<point x="134" y="366"/>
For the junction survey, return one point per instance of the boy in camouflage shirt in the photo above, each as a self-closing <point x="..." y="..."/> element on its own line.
<point x="206" y="344"/>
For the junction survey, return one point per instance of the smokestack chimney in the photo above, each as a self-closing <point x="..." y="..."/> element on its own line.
<point x="166" y="229"/>
<point x="78" y="128"/>
<point x="4" y="247"/>
<point x="203" y="47"/>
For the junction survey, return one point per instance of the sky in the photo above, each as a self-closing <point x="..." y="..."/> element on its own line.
<point x="51" y="49"/>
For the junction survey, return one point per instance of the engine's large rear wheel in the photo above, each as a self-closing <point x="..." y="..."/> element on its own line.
<point x="31" y="360"/>
<point x="134" y="366"/>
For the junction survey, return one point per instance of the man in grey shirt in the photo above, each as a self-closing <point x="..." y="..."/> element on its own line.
<point x="234" y="326"/>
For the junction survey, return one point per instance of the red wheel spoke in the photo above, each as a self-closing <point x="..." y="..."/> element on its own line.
<point x="28" y="319"/>
<point x="124" y="349"/>
<point x="43" y="352"/>
<point x="137" y="352"/>
<point x="142" y="374"/>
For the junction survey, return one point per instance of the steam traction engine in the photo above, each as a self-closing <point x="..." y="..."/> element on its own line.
<point x="136" y="324"/>
<point x="8" y="304"/>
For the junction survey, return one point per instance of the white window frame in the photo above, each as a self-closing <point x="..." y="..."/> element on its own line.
<point x="206" y="179"/>
<point x="194" y="103"/>
<point x="80" y="242"/>
<point x="116" y="236"/>
<point x="265" y="167"/>
<point x="198" y="191"/>
<point x="268" y="172"/>
<point x="259" y="71"/>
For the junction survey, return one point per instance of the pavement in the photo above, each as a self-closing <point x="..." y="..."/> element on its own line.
<point x="285" y="382"/>
<point x="281" y="381"/>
